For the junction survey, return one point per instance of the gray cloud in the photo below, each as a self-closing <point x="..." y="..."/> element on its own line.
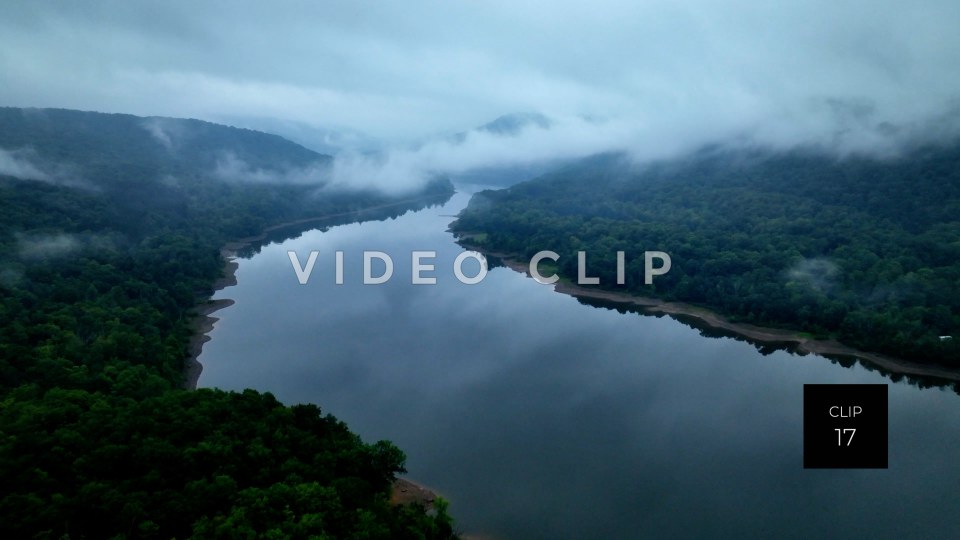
<point x="818" y="273"/>
<point x="162" y="130"/>
<point x="656" y="78"/>
<point x="401" y="168"/>
<point x="47" y="246"/>
<point x="19" y="164"/>
<point x="41" y="246"/>
<point x="230" y="168"/>
<point x="25" y="164"/>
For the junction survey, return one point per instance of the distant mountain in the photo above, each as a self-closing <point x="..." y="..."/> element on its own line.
<point x="108" y="149"/>
<point x="324" y="139"/>
<point x="159" y="172"/>
<point x="508" y="125"/>
<point x="511" y="124"/>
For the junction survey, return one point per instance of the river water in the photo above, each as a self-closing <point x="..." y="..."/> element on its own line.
<point x="540" y="417"/>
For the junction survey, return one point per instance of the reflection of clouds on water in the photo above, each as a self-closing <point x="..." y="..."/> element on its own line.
<point x="506" y="395"/>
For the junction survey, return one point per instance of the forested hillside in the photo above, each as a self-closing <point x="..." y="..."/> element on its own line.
<point x="110" y="229"/>
<point x="862" y="249"/>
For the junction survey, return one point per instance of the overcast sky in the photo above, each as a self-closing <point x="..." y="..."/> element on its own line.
<point x="648" y="76"/>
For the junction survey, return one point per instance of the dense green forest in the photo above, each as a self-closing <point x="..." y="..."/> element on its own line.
<point x="110" y="229"/>
<point x="862" y="249"/>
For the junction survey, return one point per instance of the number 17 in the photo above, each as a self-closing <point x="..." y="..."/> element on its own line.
<point x="841" y="433"/>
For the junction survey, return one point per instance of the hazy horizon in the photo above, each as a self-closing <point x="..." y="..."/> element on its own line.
<point x="653" y="80"/>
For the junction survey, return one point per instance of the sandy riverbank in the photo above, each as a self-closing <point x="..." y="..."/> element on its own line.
<point x="409" y="492"/>
<point x="757" y="334"/>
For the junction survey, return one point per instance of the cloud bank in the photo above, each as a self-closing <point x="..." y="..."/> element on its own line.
<point x="230" y="168"/>
<point x="19" y="164"/>
<point x="25" y="164"/>
<point x="653" y="78"/>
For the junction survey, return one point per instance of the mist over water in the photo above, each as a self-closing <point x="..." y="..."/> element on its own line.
<point x="540" y="417"/>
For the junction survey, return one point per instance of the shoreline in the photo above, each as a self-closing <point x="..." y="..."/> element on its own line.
<point x="405" y="491"/>
<point x="203" y="319"/>
<point x="757" y="334"/>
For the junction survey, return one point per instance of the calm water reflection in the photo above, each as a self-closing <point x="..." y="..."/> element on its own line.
<point x="540" y="417"/>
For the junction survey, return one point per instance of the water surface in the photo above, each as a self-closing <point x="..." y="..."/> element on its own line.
<point x="540" y="417"/>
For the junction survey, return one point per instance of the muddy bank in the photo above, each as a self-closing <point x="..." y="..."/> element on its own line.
<point x="204" y="320"/>
<point x="409" y="492"/>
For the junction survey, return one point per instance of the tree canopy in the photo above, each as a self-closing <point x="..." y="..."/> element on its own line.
<point x="863" y="249"/>
<point x="109" y="236"/>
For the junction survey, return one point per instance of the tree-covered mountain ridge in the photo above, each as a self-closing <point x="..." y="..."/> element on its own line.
<point x="110" y="230"/>
<point x="94" y="140"/>
<point x="859" y="248"/>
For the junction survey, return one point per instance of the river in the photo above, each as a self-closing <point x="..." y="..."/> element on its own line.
<point x="540" y="417"/>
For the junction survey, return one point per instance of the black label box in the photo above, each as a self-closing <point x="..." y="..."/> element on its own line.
<point x="845" y="426"/>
